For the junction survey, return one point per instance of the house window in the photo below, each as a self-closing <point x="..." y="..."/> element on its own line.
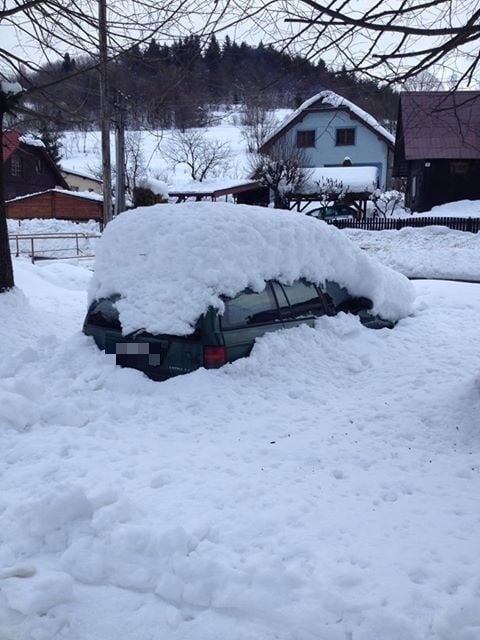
<point x="16" y="167"/>
<point x="38" y="166"/>
<point x="459" y="168"/>
<point x="305" y="139"/>
<point x="345" y="137"/>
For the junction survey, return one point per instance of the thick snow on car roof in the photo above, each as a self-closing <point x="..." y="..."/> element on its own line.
<point x="170" y="262"/>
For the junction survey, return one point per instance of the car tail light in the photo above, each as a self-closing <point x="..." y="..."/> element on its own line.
<point x="214" y="357"/>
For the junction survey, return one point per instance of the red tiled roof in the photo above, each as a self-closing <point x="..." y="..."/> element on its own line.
<point x="11" y="140"/>
<point x="441" y="124"/>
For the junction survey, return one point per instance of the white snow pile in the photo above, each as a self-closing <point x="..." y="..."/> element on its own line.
<point x="170" y="263"/>
<point x="347" y="179"/>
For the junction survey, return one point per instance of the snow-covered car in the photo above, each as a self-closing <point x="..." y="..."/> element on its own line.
<point x="178" y="287"/>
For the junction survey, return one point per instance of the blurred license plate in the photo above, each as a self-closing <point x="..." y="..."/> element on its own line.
<point x="137" y="353"/>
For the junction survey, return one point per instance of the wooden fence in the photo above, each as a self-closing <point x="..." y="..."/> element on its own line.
<point x="380" y="224"/>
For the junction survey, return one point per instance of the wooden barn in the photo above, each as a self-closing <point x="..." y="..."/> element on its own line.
<point x="56" y="203"/>
<point x="27" y="166"/>
<point x="438" y="147"/>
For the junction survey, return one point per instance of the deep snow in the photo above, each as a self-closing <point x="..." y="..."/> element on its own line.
<point x="326" y="488"/>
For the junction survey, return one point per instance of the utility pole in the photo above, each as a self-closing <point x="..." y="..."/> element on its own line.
<point x="120" y="153"/>
<point x="105" y="111"/>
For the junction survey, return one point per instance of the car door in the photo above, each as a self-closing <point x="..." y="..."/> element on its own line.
<point x="301" y="303"/>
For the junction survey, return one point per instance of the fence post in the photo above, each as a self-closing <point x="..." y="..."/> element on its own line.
<point x="33" y="250"/>
<point x="469" y="225"/>
<point x="76" y="243"/>
<point x="17" y="246"/>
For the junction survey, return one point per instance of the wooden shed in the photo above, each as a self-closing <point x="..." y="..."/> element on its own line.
<point x="56" y="203"/>
<point x="438" y="147"/>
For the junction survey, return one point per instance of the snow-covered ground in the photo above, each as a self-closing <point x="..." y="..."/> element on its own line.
<point x="326" y="488"/>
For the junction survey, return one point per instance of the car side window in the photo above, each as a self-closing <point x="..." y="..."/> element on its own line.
<point x="338" y="295"/>
<point x="305" y="299"/>
<point x="250" y="308"/>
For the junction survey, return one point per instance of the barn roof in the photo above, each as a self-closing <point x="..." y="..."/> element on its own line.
<point x="440" y="125"/>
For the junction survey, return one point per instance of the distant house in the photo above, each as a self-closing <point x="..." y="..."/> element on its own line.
<point x="56" y="203"/>
<point x="27" y="166"/>
<point x="438" y="147"/>
<point x="329" y="128"/>
<point x="80" y="181"/>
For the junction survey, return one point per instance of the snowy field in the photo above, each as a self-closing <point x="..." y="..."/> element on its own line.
<point x="326" y="488"/>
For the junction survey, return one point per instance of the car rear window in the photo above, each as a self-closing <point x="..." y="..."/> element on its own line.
<point x="304" y="299"/>
<point x="103" y="313"/>
<point x="250" y="308"/>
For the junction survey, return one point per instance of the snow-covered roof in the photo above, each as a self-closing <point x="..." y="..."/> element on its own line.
<point x="352" y="179"/>
<point x="81" y="174"/>
<point x="31" y="140"/>
<point x="86" y="195"/>
<point x="207" y="187"/>
<point x="337" y="101"/>
<point x="171" y="262"/>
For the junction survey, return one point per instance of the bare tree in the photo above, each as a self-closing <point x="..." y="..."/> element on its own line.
<point x="257" y="124"/>
<point x="281" y="171"/>
<point x="390" y="40"/>
<point x="202" y="156"/>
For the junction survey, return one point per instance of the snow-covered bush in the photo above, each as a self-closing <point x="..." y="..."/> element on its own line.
<point x="386" y="202"/>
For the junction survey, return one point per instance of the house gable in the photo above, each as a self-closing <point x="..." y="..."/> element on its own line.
<point x="328" y="128"/>
<point x="28" y="168"/>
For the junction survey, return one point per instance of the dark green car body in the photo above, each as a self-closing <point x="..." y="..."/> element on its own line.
<point x="218" y="339"/>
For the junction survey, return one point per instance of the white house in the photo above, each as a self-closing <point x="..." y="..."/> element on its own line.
<point x="329" y="128"/>
<point x="80" y="181"/>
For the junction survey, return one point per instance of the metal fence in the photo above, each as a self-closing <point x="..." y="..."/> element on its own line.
<point x="53" y="246"/>
<point x="380" y="224"/>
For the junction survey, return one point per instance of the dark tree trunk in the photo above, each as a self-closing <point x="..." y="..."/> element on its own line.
<point x="6" y="268"/>
<point x="280" y="200"/>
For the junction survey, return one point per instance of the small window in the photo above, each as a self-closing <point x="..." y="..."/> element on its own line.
<point x="38" y="166"/>
<point x="305" y="299"/>
<point x="459" y="168"/>
<point x="249" y="309"/>
<point x="305" y="139"/>
<point x="345" y="137"/>
<point x="16" y="166"/>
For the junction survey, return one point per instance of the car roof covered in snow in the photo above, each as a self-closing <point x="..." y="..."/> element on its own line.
<point x="171" y="262"/>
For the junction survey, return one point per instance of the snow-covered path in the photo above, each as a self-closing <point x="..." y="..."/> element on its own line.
<point x="326" y="488"/>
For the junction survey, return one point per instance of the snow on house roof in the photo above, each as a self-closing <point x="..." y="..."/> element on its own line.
<point x="171" y="262"/>
<point x="31" y="140"/>
<point x="86" y="195"/>
<point x="353" y="179"/>
<point x="336" y="101"/>
<point x="81" y="174"/>
<point x="209" y="187"/>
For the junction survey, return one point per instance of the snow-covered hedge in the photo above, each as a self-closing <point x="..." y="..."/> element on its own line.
<point x="171" y="262"/>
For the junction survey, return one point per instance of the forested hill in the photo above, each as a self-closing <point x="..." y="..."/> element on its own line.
<point x="180" y="84"/>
